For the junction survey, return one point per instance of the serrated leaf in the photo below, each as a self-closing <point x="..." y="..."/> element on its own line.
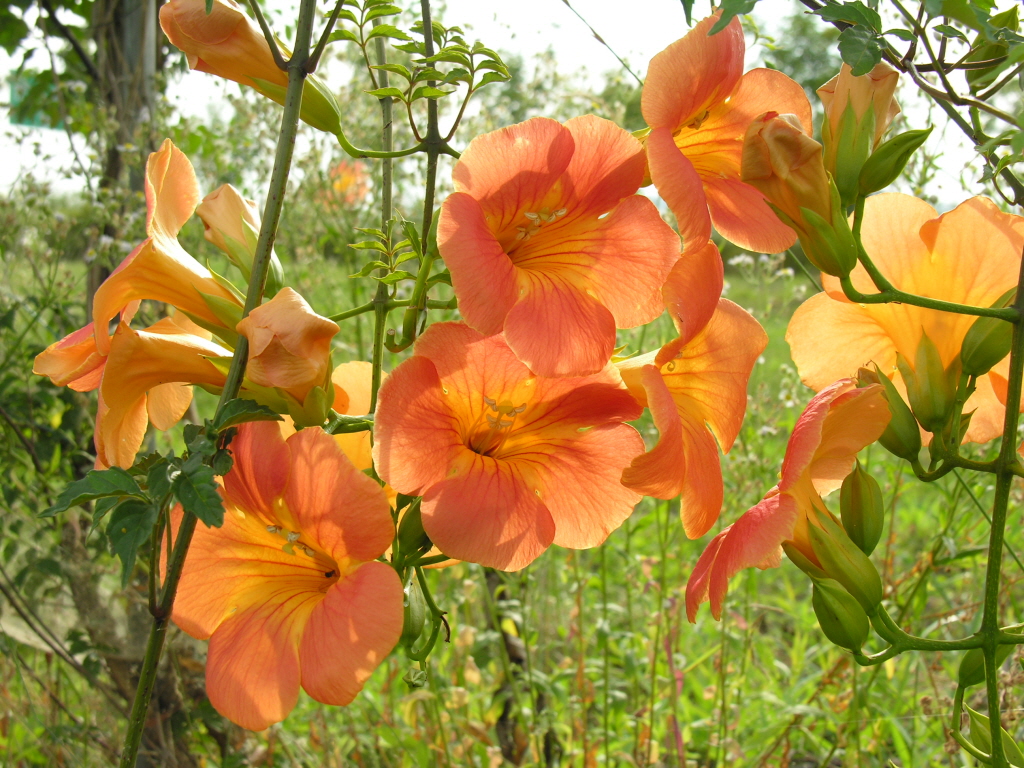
<point x="368" y="245"/>
<point x="854" y="12"/>
<point x="397" y="69"/>
<point x="413" y="235"/>
<point x="428" y="73"/>
<point x="343" y="34"/>
<point x="457" y="75"/>
<point x="387" y="30"/>
<point x="496" y="66"/>
<point x="98" y="484"/>
<point x="346" y="15"/>
<point x="381" y="10"/>
<point x="158" y="479"/>
<point x="240" y="410"/>
<point x="100" y="509"/>
<point x="394" y="277"/>
<point x="492" y="77"/>
<point x="387" y="93"/>
<point x="413" y="47"/>
<point x="428" y="92"/>
<point x="196" y="489"/>
<point x="368" y="269"/>
<point x="130" y="526"/>
<point x="902" y="34"/>
<point x="731" y="9"/>
<point x="141" y="466"/>
<point x="860" y="48"/>
<point x="452" y="57"/>
<point x="951" y="32"/>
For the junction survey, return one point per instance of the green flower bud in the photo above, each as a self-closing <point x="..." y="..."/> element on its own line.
<point x="902" y="437"/>
<point x="981" y="737"/>
<point x="988" y="340"/>
<point x="830" y="246"/>
<point x="841" y="560"/>
<point x="848" y="149"/>
<point x="888" y="161"/>
<point x="802" y="561"/>
<point x="415" y="612"/>
<point x="840" y="616"/>
<point x="412" y="539"/>
<point x="862" y="509"/>
<point x="972" y="665"/>
<point x="931" y="388"/>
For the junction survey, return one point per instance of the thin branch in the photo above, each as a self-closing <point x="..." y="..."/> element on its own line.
<point x="68" y="35"/>
<point x="321" y="45"/>
<point x="275" y="49"/>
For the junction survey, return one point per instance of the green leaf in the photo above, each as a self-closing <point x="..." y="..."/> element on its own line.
<point x="209" y="7"/>
<point x="381" y="10"/>
<point x="394" y="277"/>
<point x="860" y="48"/>
<point x="343" y="34"/>
<point x="372" y="232"/>
<point x="196" y="489"/>
<point x="440" y="277"/>
<point x="396" y="69"/>
<point x="158" y="479"/>
<point x="368" y="245"/>
<point x="428" y="73"/>
<point x="129" y="528"/>
<point x="731" y="9"/>
<point x="951" y="32"/>
<point x="239" y="411"/>
<point x="387" y="30"/>
<point x="452" y="57"/>
<point x="902" y="34"/>
<point x="688" y="11"/>
<point x="368" y="269"/>
<point x="385" y="93"/>
<point x="346" y="15"/>
<point x="492" y="77"/>
<point x="414" y="236"/>
<point x="852" y="13"/>
<point x="98" y="484"/>
<point x="493" y="65"/>
<point x="428" y="92"/>
<point x="981" y="737"/>
<point x="100" y="509"/>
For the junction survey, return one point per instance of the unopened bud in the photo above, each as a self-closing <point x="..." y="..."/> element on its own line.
<point x="839" y="614"/>
<point x="902" y="437"/>
<point x="412" y="538"/>
<point x="888" y="161"/>
<point x="931" y="387"/>
<point x="843" y="561"/>
<point x="972" y="665"/>
<point x="988" y="340"/>
<point x="801" y="561"/>
<point x="414" y="612"/>
<point x="862" y="509"/>
<point x="830" y="246"/>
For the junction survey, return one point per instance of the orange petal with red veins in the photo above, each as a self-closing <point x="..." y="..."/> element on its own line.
<point x="415" y="431"/>
<point x="693" y="288"/>
<point x="580" y="484"/>
<point x="483" y="277"/>
<point x="73" y="361"/>
<point x="855" y="420"/>
<point x="342" y="510"/>
<point x="252" y="665"/>
<point x="261" y="467"/>
<point x="607" y="165"/>
<point x="753" y="541"/>
<point x="680" y="187"/>
<point x="557" y="329"/>
<point x="741" y="216"/>
<point x="685" y="460"/>
<point x="484" y="512"/>
<point x="692" y="74"/>
<point x="511" y="170"/>
<point x="172" y="193"/>
<point x="351" y="632"/>
<point x="807" y="432"/>
<point x="633" y="251"/>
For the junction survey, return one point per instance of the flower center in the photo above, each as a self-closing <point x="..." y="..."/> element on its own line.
<point x="307" y="556"/>
<point x="537" y="219"/>
<point x="698" y="121"/>
<point x="493" y="427"/>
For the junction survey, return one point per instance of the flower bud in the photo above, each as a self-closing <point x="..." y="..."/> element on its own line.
<point x="902" y="437"/>
<point x="987" y="341"/>
<point x="801" y="561"/>
<point x="290" y="350"/>
<point x="415" y="612"/>
<point x="972" y="665"/>
<point x="931" y="387"/>
<point x="888" y="161"/>
<point x="862" y="509"/>
<point x="840" y="616"/>
<point x="228" y="44"/>
<point x="858" y="111"/>
<point x="232" y="223"/>
<point x="412" y="539"/>
<point x="843" y="561"/>
<point x="785" y="165"/>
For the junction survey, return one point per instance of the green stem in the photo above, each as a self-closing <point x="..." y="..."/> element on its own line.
<point x="990" y="631"/>
<point x="890" y="295"/>
<point x="257" y="283"/>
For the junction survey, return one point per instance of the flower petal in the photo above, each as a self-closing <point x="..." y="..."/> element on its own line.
<point x="741" y="216"/>
<point x="692" y="74"/>
<point x="342" y="510"/>
<point x="607" y="164"/>
<point x="484" y="512"/>
<point x="680" y="186"/>
<point x="557" y="329"/>
<point x="73" y="361"/>
<point x="351" y="632"/>
<point x="693" y="288"/>
<point x="352" y="382"/>
<point x="167" y="403"/>
<point x="261" y="468"/>
<point x="172" y="192"/>
<point x="483" y="276"/>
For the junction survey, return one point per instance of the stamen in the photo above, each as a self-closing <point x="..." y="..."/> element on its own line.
<point x="273" y="529"/>
<point x="699" y="120"/>
<point x="293" y="536"/>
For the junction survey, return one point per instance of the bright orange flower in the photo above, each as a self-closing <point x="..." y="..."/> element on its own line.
<point x="289" y="346"/>
<point x="507" y="462"/>
<point x="837" y="423"/>
<point x="226" y="43"/>
<point x="73" y="361"/>
<point x="159" y="269"/>
<point x="288" y="590"/>
<point x="546" y="239"/>
<point x="696" y="389"/>
<point x="147" y="378"/>
<point x="699" y="103"/>
<point x="970" y="255"/>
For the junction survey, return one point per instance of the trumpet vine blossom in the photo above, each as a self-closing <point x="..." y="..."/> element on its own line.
<point x="547" y="241"/>
<point x="288" y="590"/>
<point x="507" y="462"/>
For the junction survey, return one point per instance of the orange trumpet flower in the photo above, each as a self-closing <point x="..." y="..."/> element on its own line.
<point x="696" y="389"/>
<point x="546" y="239"/>
<point x="288" y="590"/>
<point x="507" y="462"/>
<point x="837" y="423"/>
<point x="970" y="255"/>
<point x="699" y="103"/>
<point x="73" y="361"/>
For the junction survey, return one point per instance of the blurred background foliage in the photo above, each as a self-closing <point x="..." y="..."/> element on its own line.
<point x="582" y="659"/>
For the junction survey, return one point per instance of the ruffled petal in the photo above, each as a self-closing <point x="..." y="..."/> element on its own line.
<point x="855" y="420"/>
<point x="680" y="186"/>
<point x="73" y="361"/>
<point x="167" y="403"/>
<point x="741" y="216"/>
<point x="261" y="467"/>
<point x="607" y="165"/>
<point x="692" y="289"/>
<point x="351" y="632"/>
<point x="485" y="512"/>
<point x="172" y="192"/>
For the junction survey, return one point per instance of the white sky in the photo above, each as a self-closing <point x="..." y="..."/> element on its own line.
<point x="635" y="30"/>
